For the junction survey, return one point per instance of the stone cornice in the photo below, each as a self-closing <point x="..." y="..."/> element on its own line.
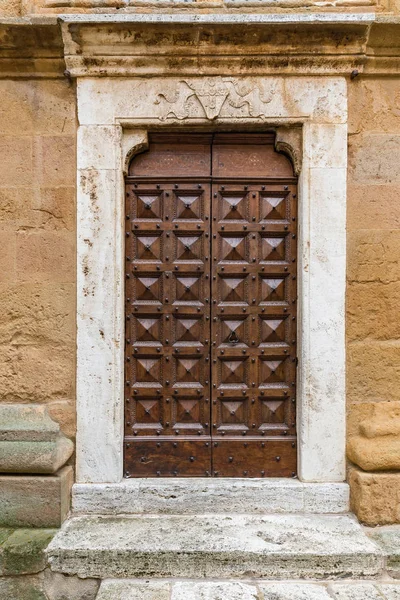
<point x="94" y="45"/>
<point x="251" y="44"/>
<point x="31" y="48"/>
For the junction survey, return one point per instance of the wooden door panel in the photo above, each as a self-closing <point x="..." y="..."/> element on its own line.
<point x="167" y="328"/>
<point x="211" y="307"/>
<point x="254" y="328"/>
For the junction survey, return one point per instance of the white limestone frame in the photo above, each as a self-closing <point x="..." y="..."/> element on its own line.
<point x="114" y="116"/>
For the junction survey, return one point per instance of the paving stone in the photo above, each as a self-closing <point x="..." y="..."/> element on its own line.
<point x="388" y="538"/>
<point x="215" y="546"/>
<point x="362" y="591"/>
<point x="293" y="591"/>
<point x="134" y="590"/>
<point x="390" y="591"/>
<point x="214" y="591"/>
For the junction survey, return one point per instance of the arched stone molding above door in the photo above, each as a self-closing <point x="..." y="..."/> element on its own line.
<point x="309" y="116"/>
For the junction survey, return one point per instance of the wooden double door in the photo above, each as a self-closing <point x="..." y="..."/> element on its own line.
<point x="211" y="306"/>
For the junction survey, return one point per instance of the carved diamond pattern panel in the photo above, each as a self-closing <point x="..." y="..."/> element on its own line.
<point x="188" y="329"/>
<point x="148" y="329"/>
<point x="189" y="248"/>
<point x="273" y="207"/>
<point x="147" y="288"/>
<point x="148" y="370"/>
<point x="272" y="289"/>
<point x="232" y="289"/>
<point x="273" y="248"/>
<point x="234" y="248"/>
<point x="148" y="247"/>
<point x="233" y="412"/>
<point x="148" y="411"/>
<point x="234" y="331"/>
<point x="234" y="208"/>
<point x="189" y="206"/>
<point x="272" y="372"/>
<point x="188" y="289"/>
<point x="211" y="302"/>
<point x="273" y="411"/>
<point x="273" y="331"/>
<point x="188" y="371"/>
<point x="233" y="372"/>
<point x="148" y="206"/>
<point x="187" y="413"/>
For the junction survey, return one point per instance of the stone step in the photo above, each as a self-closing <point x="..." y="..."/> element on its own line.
<point x="245" y="590"/>
<point x="215" y="546"/>
<point x="204" y="495"/>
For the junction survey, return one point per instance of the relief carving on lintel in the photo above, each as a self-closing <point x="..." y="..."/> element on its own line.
<point x="215" y="97"/>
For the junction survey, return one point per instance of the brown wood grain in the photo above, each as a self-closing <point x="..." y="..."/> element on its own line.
<point x="211" y="308"/>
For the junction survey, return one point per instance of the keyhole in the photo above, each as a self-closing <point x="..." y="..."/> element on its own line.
<point x="233" y="338"/>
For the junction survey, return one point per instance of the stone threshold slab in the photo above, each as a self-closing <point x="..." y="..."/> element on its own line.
<point x="246" y="590"/>
<point x="204" y="495"/>
<point x="271" y="547"/>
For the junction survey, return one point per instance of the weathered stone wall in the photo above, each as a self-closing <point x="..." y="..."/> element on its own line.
<point x="37" y="261"/>
<point x="373" y="324"/>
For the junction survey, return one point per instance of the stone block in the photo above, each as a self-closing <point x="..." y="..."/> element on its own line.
<point x="371" y="206"/>
<point x="16" y="161"/>
<point x="46" y="257"/>
<point x="374" y="105"/>
<point x="36" y="373"/>
<point x="59" y="587"/>
<point x="35" y="501"/>
<point x="374" y="158"/>
<point x="380" y="321"/>
<point x="361" y="591"/>
<point x="64" y="413"/>
<point x="375" y="497"/>
<point x="372" y="256"/>
<point x="215" y="546"/>
<point x="54" y="160"/>
<point x="140" y="590"/>
<point x="22" y="588"/>
<point x="54" y="108"/>
<point x="34" y="313"/>
<point x="376" y="445"/>
<point x="293" y="591"/>
<point x="213" y="591"/>
<point x="8" y="265"/>
<point x="15" y="208"/>
<point x="373" y="371"/>
<point x="55" y="207"/>
<point x="30" y="441"/>
<point x="204" y="495"/>
<point x="22" y="552"/>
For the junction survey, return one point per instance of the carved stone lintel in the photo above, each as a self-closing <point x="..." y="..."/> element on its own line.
<point x="289" y="141"/>
<point x="214" y="97"/>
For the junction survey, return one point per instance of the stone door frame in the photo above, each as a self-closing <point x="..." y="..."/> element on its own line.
<point x="310" y="117"/>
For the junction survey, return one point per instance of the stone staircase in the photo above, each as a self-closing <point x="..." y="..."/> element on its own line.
<point x="219" y="545"/>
